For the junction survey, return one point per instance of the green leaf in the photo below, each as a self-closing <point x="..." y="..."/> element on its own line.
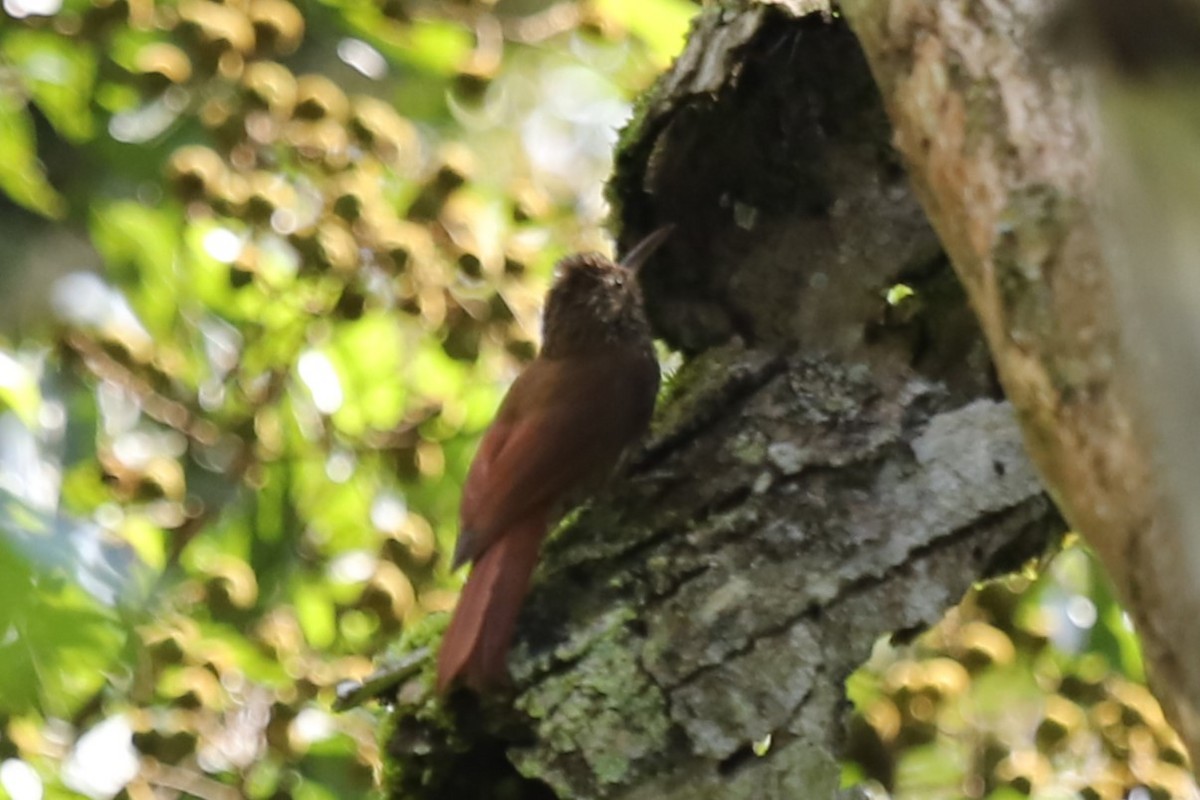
<point x="661" y="24"/>
<point x="434" y="375"/>
<point x="21" y="175"/>
<point x="430" y="45"/>
<point x="233" y="646"/>
<point x="926" y="766"/>
<point x="332" y="769"/>
<point x="64" y="548"/>
<point x="315" y="612"/>
<point x="898" y="293"/>
<point x="19" y="390"/>
<point x="308" y="790"/>
<point x="59" y="74"/>
<point x="139" y="247"/>
<point x="437" y="46"/>
<point x="341" y="511"/>
<point x="367" y="356"/>
<point x="60" y="640"/>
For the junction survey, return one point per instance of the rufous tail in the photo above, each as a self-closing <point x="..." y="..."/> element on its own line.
<point x="475" y="646"/>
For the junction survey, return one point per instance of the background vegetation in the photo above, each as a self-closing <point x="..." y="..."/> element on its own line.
<point x="267" y="268"/>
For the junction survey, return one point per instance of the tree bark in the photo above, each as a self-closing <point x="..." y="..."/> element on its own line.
<point x="831" y="464"/>
<point x="1001" y="142"/>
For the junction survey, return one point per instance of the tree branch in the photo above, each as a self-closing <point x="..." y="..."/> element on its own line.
<point x="997" y="136"/>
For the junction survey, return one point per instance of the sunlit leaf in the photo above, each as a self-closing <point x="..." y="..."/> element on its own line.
<point x="436" y="46"/>
<point x="116" y="97"/>
<point x="662" y="24"/>
<point x="368" y="355"/>
<point x="926" y="766"/>
<point x="21" y="175"/>
<point x="341" y="510"/>
<point x="59" y="73"/>
<point x="139" y="244"/>
<point x="1129" y="648"/>
<point x="19" y="390"/>
<point x="433" y="374"/>
<point x="314" y="609"/>
<point x="57" y="641"/>
<point x="146" y="539"/>
<point x="229" y="646"/>
<point x="311" y="790"/>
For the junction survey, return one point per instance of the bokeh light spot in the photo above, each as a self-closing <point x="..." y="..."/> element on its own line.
<point x="322" y="381"/>
<point x="363" y="58"/>
<point x="20" y="780"/>
<point x="29" y="8"/>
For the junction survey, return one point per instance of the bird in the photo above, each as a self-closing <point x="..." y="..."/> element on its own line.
<point x="560" y="430"/>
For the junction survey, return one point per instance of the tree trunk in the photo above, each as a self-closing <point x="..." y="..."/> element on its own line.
<point x="1000" y="141"/>
<point x="832" y="464"/>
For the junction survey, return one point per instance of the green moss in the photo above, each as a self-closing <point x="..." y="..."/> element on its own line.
<point x="627" y="176"/>
<point x="693" y="385"/>
<point x="601" y="716"/>
<point x="425" y="632"/>
<point x="750" y="448"/>
<point x="610" y="768"/>
<point x="632" y="135"/>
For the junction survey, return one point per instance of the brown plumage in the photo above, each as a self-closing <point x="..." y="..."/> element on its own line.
<point x="562" y="426"/>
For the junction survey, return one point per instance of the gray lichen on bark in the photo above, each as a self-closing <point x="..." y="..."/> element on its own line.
<point x="726" y="588"/>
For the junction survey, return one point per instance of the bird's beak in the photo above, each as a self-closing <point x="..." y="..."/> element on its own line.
<point x="642" y="251"/>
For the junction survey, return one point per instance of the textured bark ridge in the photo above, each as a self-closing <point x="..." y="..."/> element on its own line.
<point x="827" y="467"/>
<point x="723" y="593"/>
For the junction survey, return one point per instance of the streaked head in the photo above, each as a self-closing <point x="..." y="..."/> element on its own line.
<point x="595" y="302"/>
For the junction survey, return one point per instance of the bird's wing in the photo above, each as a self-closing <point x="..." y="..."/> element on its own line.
<point x="561" y="423"/>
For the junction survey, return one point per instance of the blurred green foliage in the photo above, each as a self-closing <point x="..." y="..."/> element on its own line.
<point x="270" y="264"/>
<point x="1032" y="687"/>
